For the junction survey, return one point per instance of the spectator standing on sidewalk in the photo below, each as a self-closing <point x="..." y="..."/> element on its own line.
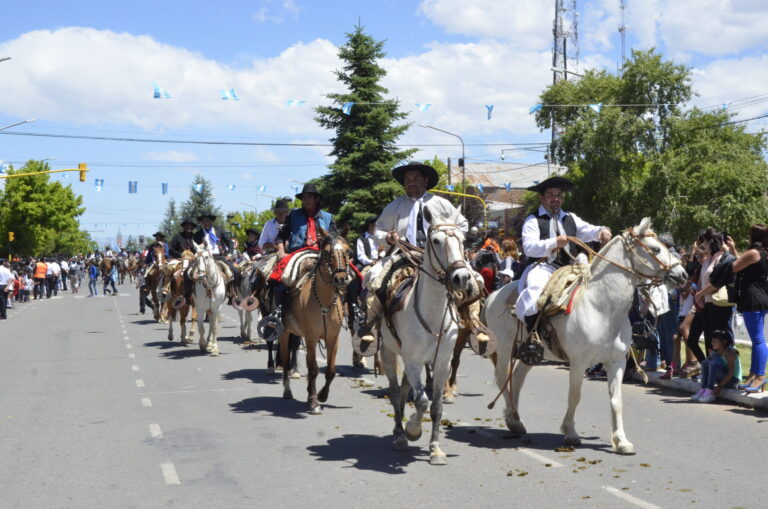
<point x="93" y="276"/>
<point x="41" y="269"/>
<point x="751" y="269"/>
<point x="5" y="279"/>
<point x="64" y="273"/>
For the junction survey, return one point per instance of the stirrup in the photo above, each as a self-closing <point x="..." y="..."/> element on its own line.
<point x="530" y="352"/>
<point x="270" y="328"/>
<point x="366" y="345"/>
<point x="482" y="340"/>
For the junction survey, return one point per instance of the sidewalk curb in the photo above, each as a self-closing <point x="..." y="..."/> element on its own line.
<point x="758" y="400"/>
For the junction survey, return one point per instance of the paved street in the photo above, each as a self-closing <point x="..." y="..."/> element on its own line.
<point x="100" y="410"/>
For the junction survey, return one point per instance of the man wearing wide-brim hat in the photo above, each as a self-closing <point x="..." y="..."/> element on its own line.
<point x="159" y="241"/>
<point x="251" y="247"/>
<point x="268" y="239"/>
<point x="183" y="241"/>
<point x="404" y="218"/>
<point x="545" y="238"/>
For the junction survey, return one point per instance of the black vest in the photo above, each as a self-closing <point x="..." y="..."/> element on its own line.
<point x="366" y="250"/>
<point x="569" y="225"/>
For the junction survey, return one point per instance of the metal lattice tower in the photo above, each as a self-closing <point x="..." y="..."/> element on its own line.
<point x="565" y="52"/>
<point x="623" y="32"/>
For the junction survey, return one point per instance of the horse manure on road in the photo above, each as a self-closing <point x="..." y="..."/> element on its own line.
<point x="645" y="465"/>
<point x="518" y="472"/>
<point x="565" y="448"/>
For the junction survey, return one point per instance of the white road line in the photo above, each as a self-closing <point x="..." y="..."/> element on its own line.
<point x="630" y="498"/>
<point x="155" y="431"/>
<point x="126" y="338"/>
<point x="131" y="355"/>
<point x="146" y="402"/>
<point x="134" y="368"/>
<point x="128" y="346"/>
<point x="139" y="383"/>
<point x="539" y="457"/>
<point x="169" y="473"/>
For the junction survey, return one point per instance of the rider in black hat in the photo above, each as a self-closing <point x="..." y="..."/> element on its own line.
<point x="217" y="242"/>
<point x="183" y="241"/>
<point x="252" y="249"/>
<point x="545" y="238"/>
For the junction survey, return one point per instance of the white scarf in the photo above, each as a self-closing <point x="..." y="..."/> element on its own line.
<point x="410" y="233"/>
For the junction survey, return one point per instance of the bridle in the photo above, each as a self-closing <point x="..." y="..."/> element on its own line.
<point x="204" y="276"/>
<point x="331" y="264"/>
<point x="442" y="273"/>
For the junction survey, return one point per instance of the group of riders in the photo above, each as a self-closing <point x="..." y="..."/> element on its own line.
<point x="403" y="226"/>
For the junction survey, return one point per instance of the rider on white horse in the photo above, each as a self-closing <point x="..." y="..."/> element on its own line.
<point x="404" y="218"/>
<point x="547" y="241"/>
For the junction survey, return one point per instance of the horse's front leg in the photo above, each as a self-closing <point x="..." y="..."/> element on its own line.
<point x="213" y="333"/>
<point x="332" y="347"/>
<point x="451" y="389"/>
<point x="312" y="372"/>
<point x="170" y="327"/>
<point x="512" y="412"/>
<point x="615" y="376"/>
<point x="287" y="394"/>
<point x="396" y="396"/>
<point x="568" y="428"/>
<point x="440" y="374"/>
<point x="420" y="400"/>
<point x="270" y="358"/>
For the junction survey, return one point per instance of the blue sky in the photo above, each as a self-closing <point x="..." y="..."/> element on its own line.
<point x="86" y="68"/>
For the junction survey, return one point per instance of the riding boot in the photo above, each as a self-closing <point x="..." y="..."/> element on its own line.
<point x="369" y="316"/>
<point x="531" y="351"/>
<point x="530" y="323"/>
<point x="279" y="309"/>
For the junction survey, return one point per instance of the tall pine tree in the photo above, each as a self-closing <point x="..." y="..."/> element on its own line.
<point x="170" y="224"/>
<point x="359" y="183"/>
<point x="201" y="202"/>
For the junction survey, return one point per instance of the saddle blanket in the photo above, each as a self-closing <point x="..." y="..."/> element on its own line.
<point x="563" y="289"/>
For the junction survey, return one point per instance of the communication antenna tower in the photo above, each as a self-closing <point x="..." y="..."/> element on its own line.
<point x="565" y="51"/>
<point x="623" y="34"/>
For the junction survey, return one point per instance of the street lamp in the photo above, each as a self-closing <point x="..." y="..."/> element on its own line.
<point x="17" y="123"/>
<point x="4" y="59"/>
<point x="461" y="161"/>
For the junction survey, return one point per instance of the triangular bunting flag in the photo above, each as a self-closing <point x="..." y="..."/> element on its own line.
<point x="489" y="108"/>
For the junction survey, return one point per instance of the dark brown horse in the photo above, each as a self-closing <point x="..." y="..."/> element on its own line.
<point x="153" y="280"/>
<point x="175" y="301"/>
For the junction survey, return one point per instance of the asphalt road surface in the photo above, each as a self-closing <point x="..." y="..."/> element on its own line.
<point x="100" y="410"/>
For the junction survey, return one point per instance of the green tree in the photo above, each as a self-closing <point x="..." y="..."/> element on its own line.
<point x="171" y="221"/>
<point x="638" y="155"/>
<point x="201" y="202"/>
<point x="42" y="214"/>
<point x="132" y="244"/>
<point x="359" y="182"/>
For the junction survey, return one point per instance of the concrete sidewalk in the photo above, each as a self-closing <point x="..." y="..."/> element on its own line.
<point x="739" y="397"/>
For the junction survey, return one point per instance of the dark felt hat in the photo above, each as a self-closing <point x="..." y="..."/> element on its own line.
<point x="248" y="231"/>
<point x="429" y="173"/>
<point x="282" y="204"/>
<point x="209" y="215"/>
<point x="187" y="220"/>
<point x="309" y="188"/>
<point x="371" y="220"/>
<point x="558" y="182"/>
<point x="159" y="234"/>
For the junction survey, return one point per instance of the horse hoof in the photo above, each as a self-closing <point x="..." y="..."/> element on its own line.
<point x="214" y="353"/>
<point x="448" y="398"/>
<point x="271" y="370"/>
<point x="412" y="431"/>
<point x="438" y="459"/>
<point x="400" y="443"/>
<point x="517" y="428"/>
<point x="315" y="410"/>
<point x="455" y="390"/>
<point x="572" y="441"/>
<point x="294" y="374"/>
<point x="202" y="349"/>
<point x="625" y="448"/>
<point x="287" y="394"/>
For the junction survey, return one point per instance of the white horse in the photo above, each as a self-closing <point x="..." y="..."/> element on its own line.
<point x="597" y="330"/>
<point x="210" y="293"/>
<point x="246" y="304"/>
<point x="427" y="326"/>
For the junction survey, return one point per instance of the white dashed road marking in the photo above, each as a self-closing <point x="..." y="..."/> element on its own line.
<point x="139" y="383"/>
<point x="131" y="355"/>
<point x="155" y="431"/>
<point x="146" y="402"/>
<point x="539" y="457"/>
<point x="134" y="368"/>
<point x="128" y="346"/>
<point x="169" y="473"/>
<point x="630" y="498"/>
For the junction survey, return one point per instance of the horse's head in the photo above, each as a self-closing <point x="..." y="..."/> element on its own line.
<point x="334" y="253"/>
<point x="187" y="257"/>
<point x="159" y="252"/>
<point x="444" y="252"/>
<point x="651" y="256"/>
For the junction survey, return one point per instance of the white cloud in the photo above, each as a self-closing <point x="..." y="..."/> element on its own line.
<point x="526" y="23"/>
<point x="173" y="156"/>
<point x="270" y="13"/>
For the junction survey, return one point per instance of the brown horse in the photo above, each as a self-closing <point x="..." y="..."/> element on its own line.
<point x="153" y="280"/>
<point x="317" y="311"/>
<point x="176" y="302"/>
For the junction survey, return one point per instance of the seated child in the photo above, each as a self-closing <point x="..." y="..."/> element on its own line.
<point x="722" y="369"/>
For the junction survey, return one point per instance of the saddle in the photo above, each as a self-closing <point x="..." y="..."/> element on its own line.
<point x="228" y="276"/>
<point x="563" y="289"/>
<point x="298" y="268"/>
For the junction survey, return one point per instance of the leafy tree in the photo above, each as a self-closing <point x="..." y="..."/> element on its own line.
<point x="42" y="214"/>
<point x="359" y="183"/>
<point x="201" y="202"/>
<point x="132" y="244"/>
<point x="171" y="222"/>
<point x="642" y="155"/>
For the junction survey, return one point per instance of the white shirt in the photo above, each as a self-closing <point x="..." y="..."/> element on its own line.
<point x="361" y="257"/>
<point x="5" y="275"/>
<point x="269" y="233"/>
<point x="54" y="269"/>
<point x="64" y="266"/>
<point x="396" y="215"/>
<point x="213" y="247"/>
<point x="535" y="247"/>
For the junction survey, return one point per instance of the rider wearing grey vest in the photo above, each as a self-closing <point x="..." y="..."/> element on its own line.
<point x="545" y="238"/>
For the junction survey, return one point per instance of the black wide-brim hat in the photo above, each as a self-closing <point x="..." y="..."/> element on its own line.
<point x="159" y="234"/>
<point x="188" y="221"/>
<point x="309" y="188"/>
<point x="212" y="217"/>
<point x="251" y="230"/>
<point x="558" y="182"/>
<point x="282" y="204"/>
<point x="429" y="173"/>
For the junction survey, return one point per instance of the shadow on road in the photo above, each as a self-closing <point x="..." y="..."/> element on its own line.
<point x="254" y="375"/>
<point x="143" y="322"/>
<point x="491" y="438"/>
<point x="366" y="452"/>
<point x="275" y="405"/>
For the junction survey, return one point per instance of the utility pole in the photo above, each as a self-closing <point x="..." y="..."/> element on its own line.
<point x="566" y="38"/>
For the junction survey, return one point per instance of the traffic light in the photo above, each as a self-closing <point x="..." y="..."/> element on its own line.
<point x="83" y="168"/>
<point x="11" y="237"/>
